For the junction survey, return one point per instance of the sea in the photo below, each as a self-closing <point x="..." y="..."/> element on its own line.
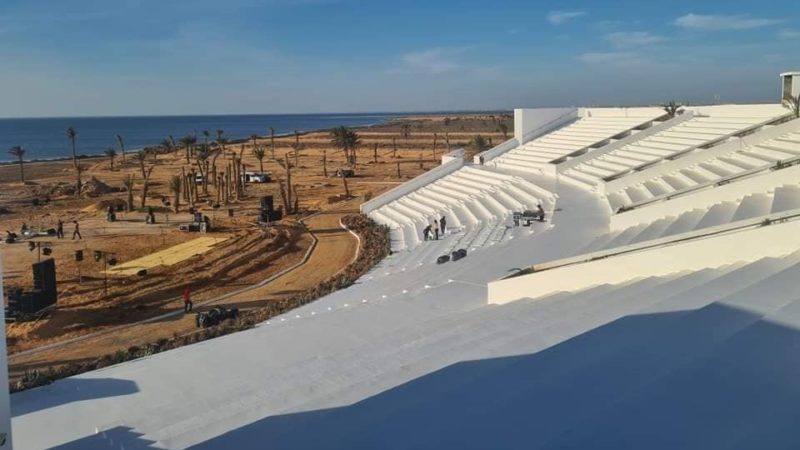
<point x="46" y="138"/>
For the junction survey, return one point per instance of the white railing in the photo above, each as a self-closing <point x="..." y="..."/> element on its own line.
<point x="412" y="185"/>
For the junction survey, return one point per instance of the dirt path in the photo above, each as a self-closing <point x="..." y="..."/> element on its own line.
<point x="335" y="249"/>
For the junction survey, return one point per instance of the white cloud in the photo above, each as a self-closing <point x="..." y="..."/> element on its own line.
<point x="559" y="17"/>
<point x="608" y="58"/>
<point x="716" y="22"/>
<point x="625" y="39"/>
<point x="789" y="34"/>
<point x="432" y="61"/>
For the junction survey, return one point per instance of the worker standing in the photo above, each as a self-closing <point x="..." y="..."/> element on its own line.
<point x="187" y="300"/>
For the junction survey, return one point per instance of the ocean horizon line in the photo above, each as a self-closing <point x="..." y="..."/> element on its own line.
<point x="327" y="114"/>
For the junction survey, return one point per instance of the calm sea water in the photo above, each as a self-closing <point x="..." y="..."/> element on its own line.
<point x="46" y="138"/>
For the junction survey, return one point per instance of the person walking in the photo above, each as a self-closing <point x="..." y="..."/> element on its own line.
<point x="436" y="229"/>
<point x="187" y="300"/>
<point x="426" y="233"/>
<point x="76" y="231"/>
<point x="443" y="225"/>
<point x="60" y="229"/>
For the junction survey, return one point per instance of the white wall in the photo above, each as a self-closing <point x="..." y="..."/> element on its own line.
<point x="702" y="253"/>
<point x="455" y="154"/>
<point x="705" y="198"/>
<point x="532" y="123"/>
<point x="496" y="151"/>
<point x="792" y="78"/>
<point x="5" y="404"/>
<point x="412" y="185"/>
<point x="639" y="111"/>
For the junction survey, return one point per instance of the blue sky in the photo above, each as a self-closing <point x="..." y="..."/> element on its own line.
<point x="140" y="57"/>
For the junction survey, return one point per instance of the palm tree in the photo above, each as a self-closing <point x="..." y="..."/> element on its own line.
<point x="253" y="138"/>
<point x="128" y="183"/>
<point x="188" y="141"/>
<point x="175" y="185"/>
<point x="479" y="143"/>
<point x="121" y="146"/>
<point x="19" y="152"/>
<point x="272" y="141"/>
<point x="503" y="129"/>
<point x="79" y="169"/>
<point x="793" y="103"/>
<point x="72" y="135"/>
<point x="672" y="108"/>
<point x="141" y="156"/>
<point x="111" y="153"/>
<point x="205" y="136"/>
<point x="346" y="140"/>
<point x="167" y="144"/>
<point x="405" y="130"/>
<point x="258" y="152"/>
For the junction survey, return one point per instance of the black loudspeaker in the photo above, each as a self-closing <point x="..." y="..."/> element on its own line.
<point x="78" y="255"/>
<point x="44" y="280"/>
<point x="267" y="203"/>
<point x="458" y="254"/>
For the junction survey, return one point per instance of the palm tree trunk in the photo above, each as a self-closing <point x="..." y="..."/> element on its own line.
<point x="74" y="154"/>
<point x="346" y="189"/>
<point x="288" y="184"/>
<point x="325" y="163"/>
<point x="21" y="170"/>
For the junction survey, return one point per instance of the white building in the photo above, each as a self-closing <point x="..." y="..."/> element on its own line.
<point x="656" y="307"/>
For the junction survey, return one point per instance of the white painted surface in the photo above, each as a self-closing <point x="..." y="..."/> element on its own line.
<point x="6" y="441"/>
<point x="412" y="185"/>
<point x="704" y="253"/>
<point x="693" y="345"/>
<point x="706" y="198"/>
<point x="453" y="155"/>
<point x="530" y="123"/>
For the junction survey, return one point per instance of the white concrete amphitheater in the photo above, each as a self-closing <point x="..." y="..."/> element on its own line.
<point x="656" y="306"/>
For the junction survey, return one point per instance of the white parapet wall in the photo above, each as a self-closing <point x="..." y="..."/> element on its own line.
<point x="5" y="401"/>
<point x="412" y="185"/>
<point x="713" y="251"/>
<point x="530" y="123"/>
<point x="705" y="198"/>
<point x="494" y="152"/>
<point x="454" y="155"/>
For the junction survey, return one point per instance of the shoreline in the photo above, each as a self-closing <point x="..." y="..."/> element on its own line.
<point x="239" y="140"/>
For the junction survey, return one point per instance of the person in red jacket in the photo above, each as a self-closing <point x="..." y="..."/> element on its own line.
<point x="187" y="300"/>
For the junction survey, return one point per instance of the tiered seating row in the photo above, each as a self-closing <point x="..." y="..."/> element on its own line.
<point x="783" y="199"/>
<point x="473" y="200"/>
<point x="571" y="140"/>
<point x="696" y="133"/>
<point x="716" y="170"/>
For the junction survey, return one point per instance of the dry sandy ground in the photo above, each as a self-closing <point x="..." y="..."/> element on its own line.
<point x="249" y="255"/>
